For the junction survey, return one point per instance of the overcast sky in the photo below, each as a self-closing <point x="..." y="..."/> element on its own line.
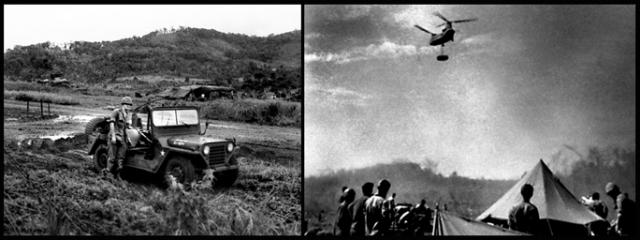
<point x="521" y="82"/>
<point x="30" y="24"/>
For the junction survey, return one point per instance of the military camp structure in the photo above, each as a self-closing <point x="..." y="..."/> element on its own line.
<point x="197" y="92"/>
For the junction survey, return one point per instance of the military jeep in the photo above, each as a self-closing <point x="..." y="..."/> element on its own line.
<point x="168" y="141"/>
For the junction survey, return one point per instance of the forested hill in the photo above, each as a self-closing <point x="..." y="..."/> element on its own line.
<point x="190" y="52"/>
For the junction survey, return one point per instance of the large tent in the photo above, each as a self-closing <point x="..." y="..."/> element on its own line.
<point x="446" y="224"/>
<point x="560" y="212"/>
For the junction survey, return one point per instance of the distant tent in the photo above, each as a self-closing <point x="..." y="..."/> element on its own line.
<point x="446" y="224"/>
<point x="197" y="91"/>
<point x="560" y="212"/>
<point x="176" y="92"/>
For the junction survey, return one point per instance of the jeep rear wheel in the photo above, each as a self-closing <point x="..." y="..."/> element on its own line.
<point x="101" y="157"/>
<point x="180" y="168"/>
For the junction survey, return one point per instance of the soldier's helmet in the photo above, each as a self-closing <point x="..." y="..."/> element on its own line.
<point x="612" y="189"/>
<point x="126" y="100"/>
<point x="349" y="194"/>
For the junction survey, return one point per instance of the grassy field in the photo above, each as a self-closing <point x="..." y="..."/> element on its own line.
<point x="278" y="113"/>
<point x="257" y="111"/>
<point x="35" y="96"/>
<point x="48" y="193"/>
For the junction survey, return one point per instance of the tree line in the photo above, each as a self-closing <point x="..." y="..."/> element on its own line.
<point x="270" y="63"/>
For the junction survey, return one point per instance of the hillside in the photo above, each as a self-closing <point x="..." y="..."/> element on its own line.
<point x="273" y="62"/>
<point x="411" y="183"/>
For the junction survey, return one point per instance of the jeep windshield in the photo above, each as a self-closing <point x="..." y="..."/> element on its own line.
<point x="175" y="117"/>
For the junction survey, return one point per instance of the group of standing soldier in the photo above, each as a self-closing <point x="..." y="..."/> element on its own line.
<point x="374" y="214"/>
<point x="524" y="217"/>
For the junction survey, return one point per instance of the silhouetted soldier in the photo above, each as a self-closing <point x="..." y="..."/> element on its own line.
<point x="342" y="194"/>
<point x="598" y="206"/>
<point x="376" y="221"/>
<point x="421" y="218"/>
<point x="356" y="208"/>
<point x="343" y="220"/>
<point x="524" y="217"/>
<point x="597" y="228"/>
<point x="625" y="222"/>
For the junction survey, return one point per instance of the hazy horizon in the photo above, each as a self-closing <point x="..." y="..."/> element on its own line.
<point x="32" y="24"/>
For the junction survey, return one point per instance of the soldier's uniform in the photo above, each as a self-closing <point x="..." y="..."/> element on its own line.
<point x="356" y="209"/>
<point x="118" y="150"/>
<point x="524" y="217"/>
<point x="357" y="214"/>
<point x="378" y="217"/>
<point x="343" y="221"/>
<point x="625" y="222"/>
<point x="422" y="219"/>
<point x="626" y="216"/>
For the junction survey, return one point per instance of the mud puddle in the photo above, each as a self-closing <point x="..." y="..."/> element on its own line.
<point x="59" y="135"/>
<point x="74" y="118"/>
<point x="223" y="126"/>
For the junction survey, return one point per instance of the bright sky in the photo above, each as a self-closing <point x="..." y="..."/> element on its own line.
<point x="522" y="83"/>
<point x="30" y="24"/>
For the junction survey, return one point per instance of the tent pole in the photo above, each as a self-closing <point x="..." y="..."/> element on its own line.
<point x="435" y="222"/>
<point x="549" y="225"/>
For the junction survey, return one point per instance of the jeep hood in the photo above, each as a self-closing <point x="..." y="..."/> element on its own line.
<point x="192" y="142"/>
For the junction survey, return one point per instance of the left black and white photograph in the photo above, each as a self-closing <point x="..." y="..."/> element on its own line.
<point x="152" y="120"/>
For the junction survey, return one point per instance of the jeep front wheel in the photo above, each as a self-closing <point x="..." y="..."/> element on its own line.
<point x="181" y="169"/>
<point x="227" y="178"/>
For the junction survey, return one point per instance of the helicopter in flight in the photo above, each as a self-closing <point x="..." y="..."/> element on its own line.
<point x="445" y="36"/>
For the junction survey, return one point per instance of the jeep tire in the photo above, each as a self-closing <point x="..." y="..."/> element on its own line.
<point x="227" y="178"/>
<point x="101" y="156"/>
<point x="181" y="168"/>
<point x="94" y="124"/>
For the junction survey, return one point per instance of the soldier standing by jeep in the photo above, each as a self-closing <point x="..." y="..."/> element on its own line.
<point x="117" y="135"/>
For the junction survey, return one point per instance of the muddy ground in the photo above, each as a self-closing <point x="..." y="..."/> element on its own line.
<point x="52" y="187"/>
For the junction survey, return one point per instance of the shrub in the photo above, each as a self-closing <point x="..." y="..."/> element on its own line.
<point x="279" y="113"/>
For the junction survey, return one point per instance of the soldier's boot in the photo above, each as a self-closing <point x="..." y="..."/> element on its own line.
<point x="104" y="172"/>
<point x="118" y="172"/>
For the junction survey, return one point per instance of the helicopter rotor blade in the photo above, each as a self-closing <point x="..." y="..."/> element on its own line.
<point x="425" y="30"/>
<point x="440" y="16"/>
<point x="464" y="20"/>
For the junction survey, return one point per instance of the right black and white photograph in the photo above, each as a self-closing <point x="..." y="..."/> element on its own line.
<point x="469" y="120"/>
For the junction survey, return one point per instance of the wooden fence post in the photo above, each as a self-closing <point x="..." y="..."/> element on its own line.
<point x="41" y="109"/>
<point x="49" y="108"/>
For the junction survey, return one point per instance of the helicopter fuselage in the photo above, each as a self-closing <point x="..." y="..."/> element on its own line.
<point x="442" y="38"/>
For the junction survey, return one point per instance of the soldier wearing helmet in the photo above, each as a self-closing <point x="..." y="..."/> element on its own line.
<point x="342" y="225"/>
<point x="376" y="212"/>
<point x="118" y="122"/>
<point x="625" y="222"/>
